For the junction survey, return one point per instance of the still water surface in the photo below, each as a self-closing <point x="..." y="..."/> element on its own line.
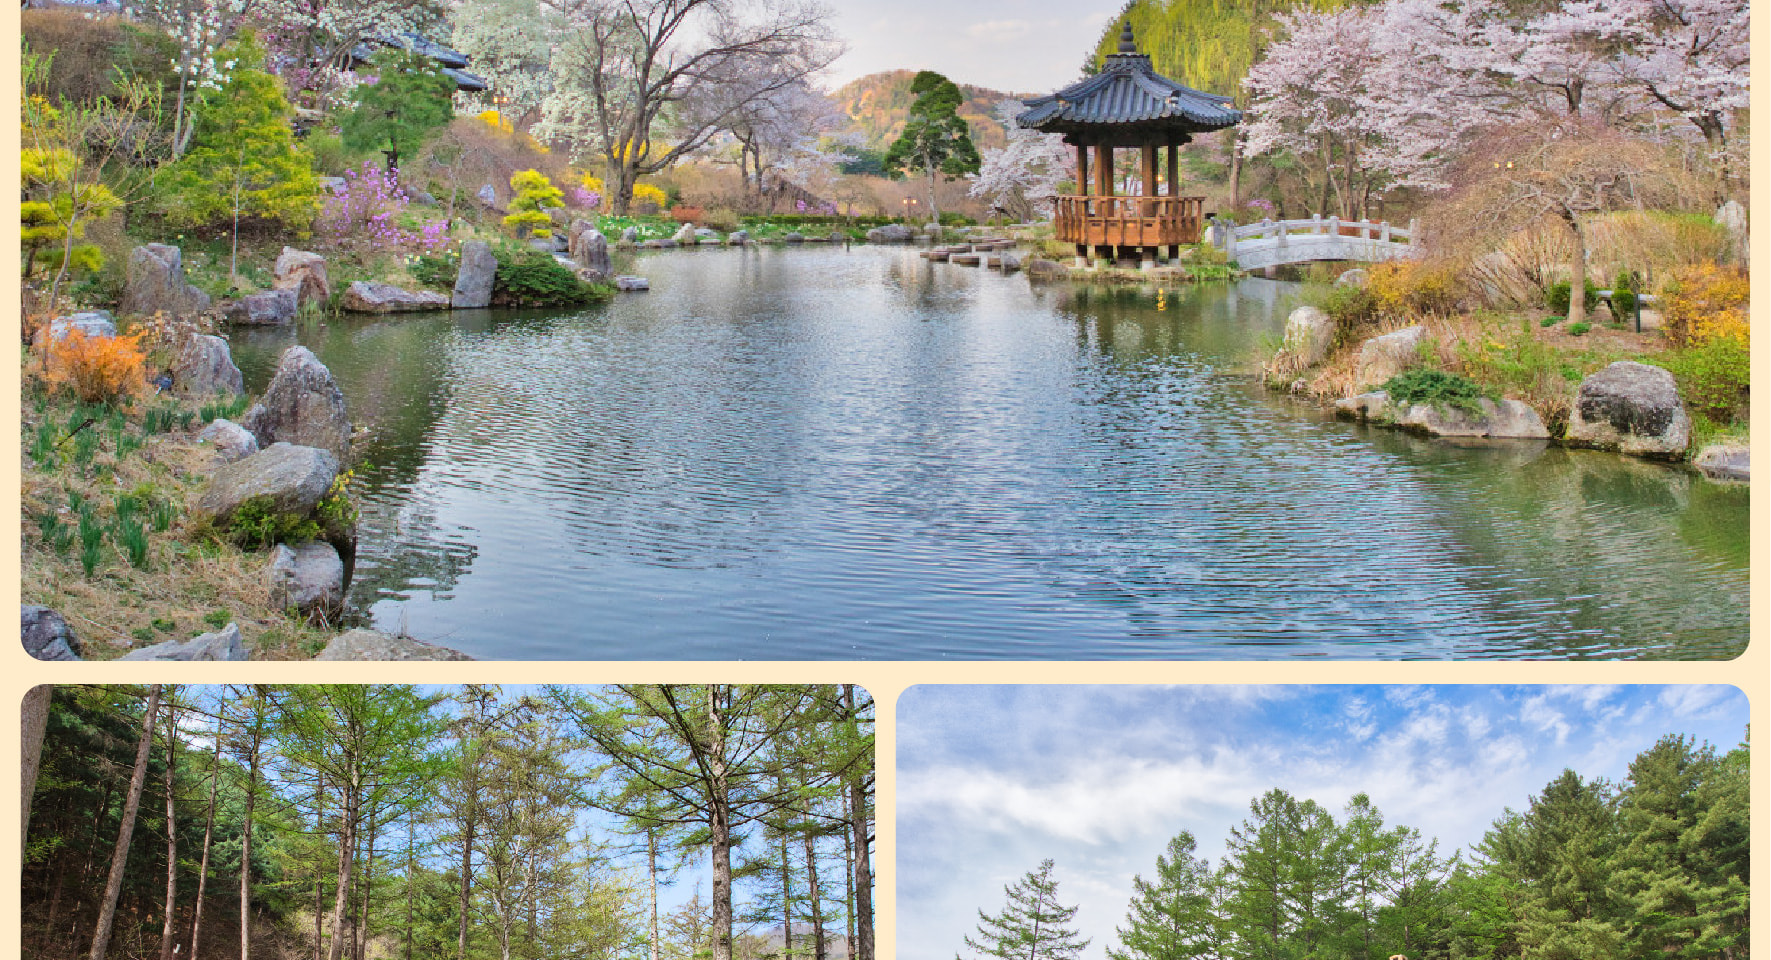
<point x="847" y="454"/>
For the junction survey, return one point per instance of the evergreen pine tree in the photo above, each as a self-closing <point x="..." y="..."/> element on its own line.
<point x="410" y="97"/>
<point x="936" y="139"/>
<point x="1031" y="924"/>
<point x="1172" y="918"/>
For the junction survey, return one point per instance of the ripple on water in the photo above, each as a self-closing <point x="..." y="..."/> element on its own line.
<point x="812" y="454"/>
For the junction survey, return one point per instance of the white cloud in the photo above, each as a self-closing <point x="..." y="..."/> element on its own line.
<point x="1696" y="701"/>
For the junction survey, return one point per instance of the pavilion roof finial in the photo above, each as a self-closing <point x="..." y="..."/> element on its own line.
<point x="1126" y="44"/>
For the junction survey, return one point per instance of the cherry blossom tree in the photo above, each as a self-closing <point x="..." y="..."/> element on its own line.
<point x="200" y="28"/>
<point x="1022" y="177"/>
<point x="310" y="40"/>
<point x="1691" y="57"/>
<point x="790" y="137"/>
<point x="511" y="43"/>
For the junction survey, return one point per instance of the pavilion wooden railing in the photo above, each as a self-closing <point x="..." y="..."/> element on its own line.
<point x="1130" y="221"/>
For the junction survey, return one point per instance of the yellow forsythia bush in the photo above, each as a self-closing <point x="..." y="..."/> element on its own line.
<point x="1706" y="302"/>
<point x="646" y="193"/>
<point x="1410" y="287"/>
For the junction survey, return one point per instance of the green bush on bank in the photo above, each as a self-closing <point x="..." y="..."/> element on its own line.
<point x="1436" y="388"/>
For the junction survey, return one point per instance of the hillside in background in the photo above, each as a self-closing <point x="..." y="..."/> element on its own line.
<point x="1206" y="44"/>
<point x="879" y="102"/>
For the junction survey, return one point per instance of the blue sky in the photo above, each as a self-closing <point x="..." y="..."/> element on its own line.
<point x="993" y="779"/>
<point x="1018" y="46"/>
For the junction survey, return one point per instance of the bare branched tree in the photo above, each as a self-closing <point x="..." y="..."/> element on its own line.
<point x="644" y="83"/>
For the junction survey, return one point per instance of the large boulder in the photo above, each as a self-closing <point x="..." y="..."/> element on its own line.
<point x="1309" y="332"/>
<point x="1502" y="420"/>
<point x="593" y="253"/>
<point x="223" y="644"/>
<point x="286" y="478"/>
<point x="738" y="238"/>
<point x="1046" y="269"/>
<point x="154" y="282"/>
<point x="891" y="233"/>
<point x="272" y="308"/>
<point x="90" y="323"/>
<point x="685" y="234"/>
<point x="1356" y="277"/>
<point x="302" y="405"/>
<point x="204" y="367"/>
<point x="1383" y="357"/>
<point x="474" y="281"/>
<point x="1725" y="461"/>
<point x="375" y="645"/>
<point x="629" y="284"/>
<point x="309" y="577"/>
<point x="230" y="441"/>
<point x="1631" y="408"/>
<point x="1507" y="419"/>
<point x="364" y="296"/>
<point x="304" y="273"/>
<point x="630" y="235"/>
<point x="46" y="635"/>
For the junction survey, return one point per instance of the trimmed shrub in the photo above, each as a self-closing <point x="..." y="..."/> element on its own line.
<point x="1435" y="387"/>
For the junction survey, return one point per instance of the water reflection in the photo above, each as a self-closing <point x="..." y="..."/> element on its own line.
<point x="830" y="453"/>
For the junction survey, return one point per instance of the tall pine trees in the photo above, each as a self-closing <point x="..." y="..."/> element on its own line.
<point x="1031" y="925"/>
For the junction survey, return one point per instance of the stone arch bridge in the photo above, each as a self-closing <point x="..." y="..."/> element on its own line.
<point x="1271" y="243"/>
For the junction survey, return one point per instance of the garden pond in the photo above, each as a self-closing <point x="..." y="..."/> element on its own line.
<point x="853" y="453"/>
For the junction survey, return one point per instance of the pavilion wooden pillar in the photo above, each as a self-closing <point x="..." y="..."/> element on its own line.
<point x="1080" y="211"/>
<point x="1148" y="205"/>
<point x="1174" y="189"/>
<point x="1104" y="184"/>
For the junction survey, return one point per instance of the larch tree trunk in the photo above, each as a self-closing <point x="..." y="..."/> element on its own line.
<point x="246" y="851"/>
<point x="171" y="735"/>
<point x="863" y="870"/>
<point x="652" y="876"/>
<point x="208" y="836"/>
<point x="101" y="938"/>
<point x="35" y="720"/>
<point x="720" y="828"/>
<point x="349" y="810"/>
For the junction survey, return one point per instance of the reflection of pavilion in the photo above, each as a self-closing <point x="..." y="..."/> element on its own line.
<point x="1128" y="104"/>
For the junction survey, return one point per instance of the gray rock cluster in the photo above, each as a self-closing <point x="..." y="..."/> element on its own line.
<point x="308" y="578"/>
<point x="289" y="479"/>
<point x="154" y="282"/>
<point x="46" y="635"/>
<point x="891" y="233"/>
<point x="304" y="273"/>
<point x="1496" y="420"/>
<point x="302" y="405"/>
<point x="223" y="644"/>
<point x="375" y="645"/>
<point x="230" y="441"/>
<point x="364" y="296"/>
<point x="272" y="308"/>
<point x="1631" y="408"/>
<point x="475" y="279"/>
<point x="205" y="367"/>
<point x="1309" y="332"/>
<point x="1725" y="461"/>
<point x="1383" y="357"/>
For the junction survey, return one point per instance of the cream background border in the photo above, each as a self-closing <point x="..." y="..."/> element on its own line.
<point x="885" y="680"/>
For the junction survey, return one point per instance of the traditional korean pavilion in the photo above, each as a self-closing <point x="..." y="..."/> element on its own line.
<point x="1128" y="104"/>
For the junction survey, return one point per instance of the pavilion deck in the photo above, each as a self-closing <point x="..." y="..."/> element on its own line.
<point x="1100" y="221"/>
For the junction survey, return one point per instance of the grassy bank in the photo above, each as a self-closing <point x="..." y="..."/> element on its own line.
<point x="106" y="537"/>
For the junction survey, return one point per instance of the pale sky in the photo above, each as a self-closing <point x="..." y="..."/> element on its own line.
<point x="991" y="780"/>
<point x="1018" y="46"/>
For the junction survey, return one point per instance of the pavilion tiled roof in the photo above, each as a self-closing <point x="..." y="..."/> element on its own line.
<point x="1128" y="94"/>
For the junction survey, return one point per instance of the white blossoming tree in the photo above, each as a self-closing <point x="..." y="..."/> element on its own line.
<point x="1022" y="177"/>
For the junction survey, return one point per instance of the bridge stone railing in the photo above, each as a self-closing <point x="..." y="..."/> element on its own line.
<point x="1270" y="243"/>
